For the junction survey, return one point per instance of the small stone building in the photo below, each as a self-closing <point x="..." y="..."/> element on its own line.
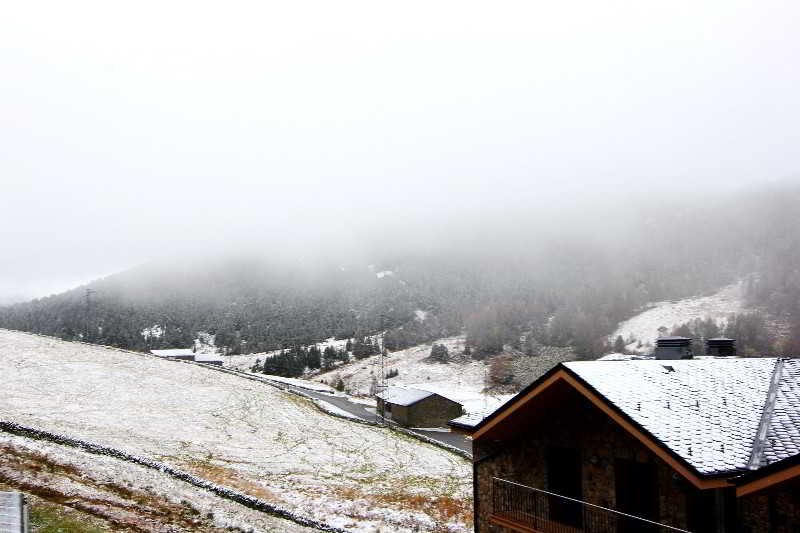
<point x="417" y="408"/>
<point x="699" y="445"/>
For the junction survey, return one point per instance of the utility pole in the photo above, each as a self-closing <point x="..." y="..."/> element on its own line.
<point x="88" y="297"/>
<point x="382" y="384"/>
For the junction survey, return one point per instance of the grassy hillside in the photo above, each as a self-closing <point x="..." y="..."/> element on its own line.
<point x="235" y="432"/>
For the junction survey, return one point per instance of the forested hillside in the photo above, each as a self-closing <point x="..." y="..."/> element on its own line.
<point x="559" y="283"/>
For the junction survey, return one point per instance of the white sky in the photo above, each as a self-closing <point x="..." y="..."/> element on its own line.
<point x="137" y="129"/>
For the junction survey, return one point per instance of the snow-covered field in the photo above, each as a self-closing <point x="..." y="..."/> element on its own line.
<point x="122" y="493"/>
<point x="462" y="381"/>
<point x="236" y="432"/>
<point x="644" y="326"/>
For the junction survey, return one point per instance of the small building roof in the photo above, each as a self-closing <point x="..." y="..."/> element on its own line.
<point x="403" y="396"/>
<point x="173" y="352"/>
<point x="468" y="420"/>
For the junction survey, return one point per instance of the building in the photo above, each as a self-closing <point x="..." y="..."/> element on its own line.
<point x="417" y="408"/>
<point x="208" y="359"/>
<point x="175" y="353"/>
<point x="689" y="444"/>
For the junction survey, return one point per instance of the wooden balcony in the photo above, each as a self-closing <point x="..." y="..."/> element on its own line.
<point x="526" y="509"/>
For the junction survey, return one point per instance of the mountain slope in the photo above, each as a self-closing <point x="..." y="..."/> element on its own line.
<point x="563" y="282"/>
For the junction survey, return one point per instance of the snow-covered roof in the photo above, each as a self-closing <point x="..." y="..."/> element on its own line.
<point x="707" y="411"/>
<point x="720" y="415"/>
<point x="173" y="352"/>
<point x="623" y="357"/>
<point x="403" y="396"/>
<point x="783" y="433"/>
<point x="469" y="420"/>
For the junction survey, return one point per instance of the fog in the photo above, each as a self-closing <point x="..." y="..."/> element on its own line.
<point x="152" y="130"/>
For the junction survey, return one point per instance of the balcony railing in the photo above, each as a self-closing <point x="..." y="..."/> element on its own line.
<point x="522" y="508"/>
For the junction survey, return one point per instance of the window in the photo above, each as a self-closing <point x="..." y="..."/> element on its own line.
<point x="636" y="486"/>
<point x="564" y="477"/>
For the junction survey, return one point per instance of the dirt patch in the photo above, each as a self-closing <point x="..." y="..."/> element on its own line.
<point x="227" y="477"/>
<point x="443" y="510"/>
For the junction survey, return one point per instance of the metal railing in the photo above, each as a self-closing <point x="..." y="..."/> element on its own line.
<point x="547" y="512"/>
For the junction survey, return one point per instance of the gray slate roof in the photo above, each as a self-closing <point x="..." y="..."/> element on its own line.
<point x="403" y="396"/>
<point x="708" y="411"/>
<point x="783" y="433"/>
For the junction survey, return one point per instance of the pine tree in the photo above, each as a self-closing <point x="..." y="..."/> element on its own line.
<point x="439" y="353"/>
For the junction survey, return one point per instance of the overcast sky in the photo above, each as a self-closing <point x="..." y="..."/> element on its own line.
<point x="133" y="130"/>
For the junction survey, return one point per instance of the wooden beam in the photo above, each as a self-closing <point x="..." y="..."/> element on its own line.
<point x="517" y="404"/>
<point x="768" y="481"/>
<point x="513" y="525"/>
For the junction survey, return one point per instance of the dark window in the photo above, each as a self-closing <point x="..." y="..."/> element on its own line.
<point x="564" y="478"/>
<point x="636" y="487"/>
<point x="700" y="510"/>
<point x="388" y="407"/>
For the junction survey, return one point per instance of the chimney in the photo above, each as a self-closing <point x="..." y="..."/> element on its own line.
<point x="673" y="348"/>
<point x="721" y="347"/>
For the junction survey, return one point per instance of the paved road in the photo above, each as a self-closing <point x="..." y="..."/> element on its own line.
<point x="361" y="411"/>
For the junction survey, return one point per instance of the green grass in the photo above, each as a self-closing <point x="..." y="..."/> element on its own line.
<point x="54" y="519"/>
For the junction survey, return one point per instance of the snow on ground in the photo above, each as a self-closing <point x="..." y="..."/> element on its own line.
<point x="461" y="380"/>
<point x="237" y="432"/>
<point x="306" y="384"/>
<point x="123" y="493"/>
<point x="644" y="326"/>
<point x="246" y="362"/>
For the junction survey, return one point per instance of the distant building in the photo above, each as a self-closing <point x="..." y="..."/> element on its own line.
<point x="208" y="359"/>
<point x="417" y="408"/>
<point x="178" y="353"/>
<point x="709" y="445"/>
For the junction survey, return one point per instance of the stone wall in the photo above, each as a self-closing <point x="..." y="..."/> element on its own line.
<point x="774" y="511"/>
<point x="581" y="426"/>
<point x="433" y="411"/>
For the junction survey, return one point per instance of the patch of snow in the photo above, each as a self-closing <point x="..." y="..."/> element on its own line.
<point x="421" y="315"/>
<point x="384" y="273"/>
<point x="643" y="328"/>
<point x="332" y="409"/>
<point x="303" y="383"/>
<point x="155" y="332"/>
<point x="205" y="343"/>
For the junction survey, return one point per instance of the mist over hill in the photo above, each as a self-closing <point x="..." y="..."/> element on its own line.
<point x="563" y="278"/>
